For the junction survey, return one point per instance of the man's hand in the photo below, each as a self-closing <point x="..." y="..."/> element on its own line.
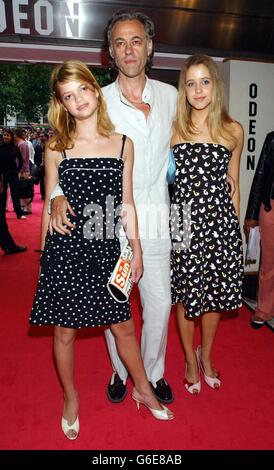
<point x="58" y="219"/>
<point x="248" y="223"/>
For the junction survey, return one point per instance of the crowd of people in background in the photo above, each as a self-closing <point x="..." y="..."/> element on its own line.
<point x="21" y="150"/>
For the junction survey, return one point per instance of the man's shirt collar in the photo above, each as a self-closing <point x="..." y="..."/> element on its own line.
<point x="147" y="94"/>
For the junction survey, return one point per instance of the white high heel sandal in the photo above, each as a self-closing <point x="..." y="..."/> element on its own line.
<point x="213" y="382"/>
<point x="193" y="388"/>
<point x="66" y="428"/>
<point x="164" y="414"/>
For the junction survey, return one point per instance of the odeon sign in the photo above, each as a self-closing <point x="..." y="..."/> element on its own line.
<point x="66" y="19"/>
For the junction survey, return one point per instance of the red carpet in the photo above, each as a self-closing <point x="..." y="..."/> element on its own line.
<point x="238" y="416"/>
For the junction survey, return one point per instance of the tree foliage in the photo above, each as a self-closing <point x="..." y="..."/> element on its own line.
<point x="24" y="89"/>
<point x="35" y="90"/>
<point x="10" y="95"/>
<point x="103" y="76"/>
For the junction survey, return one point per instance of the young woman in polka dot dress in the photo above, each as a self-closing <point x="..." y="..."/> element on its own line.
<point x="207" y="261"/>
<point x="93" y="166"/>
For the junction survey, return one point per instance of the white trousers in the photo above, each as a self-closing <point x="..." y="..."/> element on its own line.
<point x="154" y="288"/>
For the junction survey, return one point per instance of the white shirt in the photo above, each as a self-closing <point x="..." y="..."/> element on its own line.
<point x="31" y="150"/>
<point x="151" y="138"/>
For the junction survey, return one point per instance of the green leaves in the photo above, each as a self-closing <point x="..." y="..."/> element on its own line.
<point x="25" y="91"/>
<point x="35" y="91"/>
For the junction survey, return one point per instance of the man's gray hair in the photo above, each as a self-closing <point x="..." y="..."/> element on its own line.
<point x="123" y="15"/>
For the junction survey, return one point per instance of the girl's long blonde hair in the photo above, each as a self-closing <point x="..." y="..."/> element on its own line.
<point x="59" y="119"/>
<point x="218" y="119"/>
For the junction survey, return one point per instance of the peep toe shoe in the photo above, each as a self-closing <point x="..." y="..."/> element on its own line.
<point x="66" y="428"/>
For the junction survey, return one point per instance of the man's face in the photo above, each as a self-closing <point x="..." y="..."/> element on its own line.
<point x="130" y="47"/>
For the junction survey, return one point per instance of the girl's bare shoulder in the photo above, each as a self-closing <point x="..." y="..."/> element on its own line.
<point x="51" y="151"/>
<point x="236" y="130"/>
<point x="52" y="155"/>
<point x="118" y="139"/>
<point x="175" y="139"/>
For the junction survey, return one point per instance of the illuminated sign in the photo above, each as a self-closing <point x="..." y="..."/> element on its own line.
<point x="53" y="18"/>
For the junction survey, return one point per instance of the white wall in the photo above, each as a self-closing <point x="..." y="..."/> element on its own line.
<point x="251" y="102"/>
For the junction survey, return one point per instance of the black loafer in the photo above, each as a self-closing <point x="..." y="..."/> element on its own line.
<point x="116" y="390"/>
<point x="163" y="391"/>
<point x="258" y="324"/>
<point x="15" y="249"/>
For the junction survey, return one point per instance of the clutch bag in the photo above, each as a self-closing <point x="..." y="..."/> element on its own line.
<point x="120" y="282"/>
